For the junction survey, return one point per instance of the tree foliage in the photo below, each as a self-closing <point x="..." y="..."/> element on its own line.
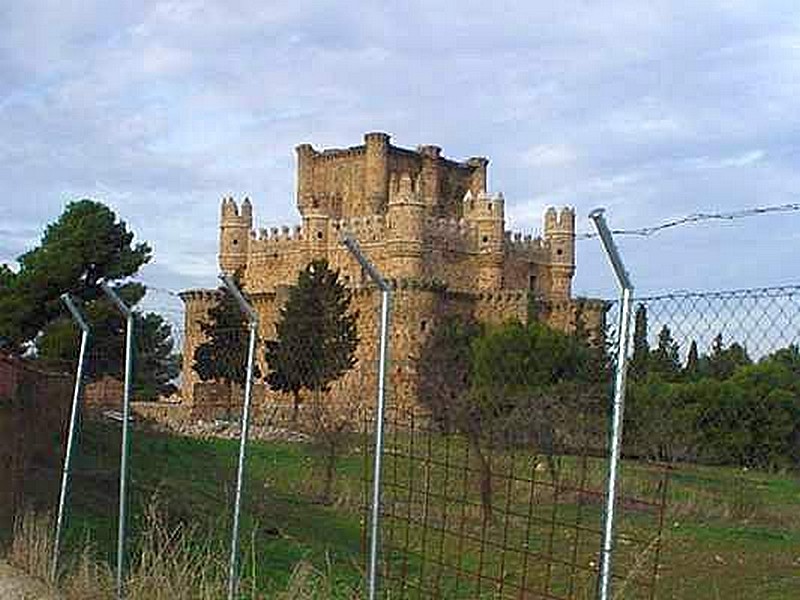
<point x="85" y="245"/>
<point x="316" y="335"/>
<point x="641" y="349"/>
<point x="502" y="386"/>
<point x="445" y="368"/>
<point x="732" y="412"/>
<point x="315" y="345"/>
<point x="155" y="363"/>
<point x="222" y="356"/>
<point x="664" y="359"/>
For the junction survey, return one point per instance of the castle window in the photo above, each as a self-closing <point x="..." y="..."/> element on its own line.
<point x="319" y="235"/>
<point x="235" y="242"/>
<point x="423" y="325"/>
<point x="485" y="239"/>
<point x="532" y="283"/>
<point x="489" y="206"/>
<point x="559" y="252"/>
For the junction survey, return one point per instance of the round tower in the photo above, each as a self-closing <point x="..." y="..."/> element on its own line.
<point x="234" y="234"/>
<point x="376" y="184"/>
<point x="559" y="232"/>
<point x="487" y="215"/>
<point x="404" y="222"/>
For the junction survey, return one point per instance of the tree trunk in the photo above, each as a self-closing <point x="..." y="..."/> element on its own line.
<point x="485" y="481"/>
<point x="330" y="472"/>
<point x="296" y="407"/>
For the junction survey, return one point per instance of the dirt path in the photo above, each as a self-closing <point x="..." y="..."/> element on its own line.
<point x="15" y="585"/>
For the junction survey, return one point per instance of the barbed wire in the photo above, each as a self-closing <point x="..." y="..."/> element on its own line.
<point x="698" y="218"/>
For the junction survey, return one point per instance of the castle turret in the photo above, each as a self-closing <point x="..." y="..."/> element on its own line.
<point x="315" y="226"/>
<point x="404" y="222"/>
<point x="559" y="233"/>
<point x="487" y="214"/>
<point x="376" y="184"/>
<point x="305" y="177"/>
<point x="234" y="234"/>
<point x="477" y="181"/>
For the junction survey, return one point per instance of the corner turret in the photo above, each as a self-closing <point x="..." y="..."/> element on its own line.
<point x="234" y="234"/>
<point x="559" y="233"/>
<point x="486" y="214"/>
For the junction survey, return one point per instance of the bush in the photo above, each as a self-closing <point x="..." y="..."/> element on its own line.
<point x="751" y="419"/>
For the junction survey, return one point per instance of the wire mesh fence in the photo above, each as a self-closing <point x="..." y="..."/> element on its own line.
<point x="496" y="467"/>
<point x="495" y="455"/>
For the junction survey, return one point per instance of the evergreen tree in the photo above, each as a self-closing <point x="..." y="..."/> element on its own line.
<point x="723" y="362"/>
<point x="692" y="369"/>
<point x="223" y="354"/>
<point x="664" y="360"/>
<point x="155" y="364"/>
<point x="641" y="349"/>
<point x="85" y="245"/>
<point x="316" y="336"/>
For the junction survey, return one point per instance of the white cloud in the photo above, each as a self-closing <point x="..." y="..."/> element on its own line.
<point x="548" y="155"/>
<point x="737" y="161"/>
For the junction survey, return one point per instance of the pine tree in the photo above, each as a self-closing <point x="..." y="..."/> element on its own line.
<point x="155" y="364"/>
<point x="723" y="361"/>
<point x="85" y="245"/>
<point x="692" y="370"/>
<point x="641" y="349"/>
<point x="664" y="360"/>
<point x="316" y="336"/>
<point x="223" y="354"/>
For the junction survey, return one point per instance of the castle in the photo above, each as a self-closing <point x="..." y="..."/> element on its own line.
<point x="429" y="226"/>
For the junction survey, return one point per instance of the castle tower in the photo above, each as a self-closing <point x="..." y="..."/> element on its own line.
<point x="234" y="234"/>
<point x="315" y="226"/>
<point x="429" y="177"/>
<point x="487" y="214"/>
<point x="559" y="232"/>
<point x="404" y="222"/>
<point x="477" y="182"/>
<point x="376" y="184"/>
<point x="305" y="177"/>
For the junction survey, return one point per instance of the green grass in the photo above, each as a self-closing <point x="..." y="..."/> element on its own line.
<point x="727" y="533"/>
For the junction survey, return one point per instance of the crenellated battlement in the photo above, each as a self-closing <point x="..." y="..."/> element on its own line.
<point x="483" y="206"/>
<point x="526" y="244"/>
<point x="284" y="233"/>
<point x="370" y="228"/>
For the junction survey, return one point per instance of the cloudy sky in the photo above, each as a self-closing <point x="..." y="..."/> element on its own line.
<point x="652" y="109"/>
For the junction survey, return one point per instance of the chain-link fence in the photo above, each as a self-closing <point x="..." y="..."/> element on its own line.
<point x="713" y="396"/>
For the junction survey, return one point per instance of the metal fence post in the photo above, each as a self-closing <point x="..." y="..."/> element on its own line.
<point x="383" y="285"/>
<point x="623" y="347"/>
<point x="123" y="461"/>
<point x="252" y="317"/>
<point x="73" y="416"/>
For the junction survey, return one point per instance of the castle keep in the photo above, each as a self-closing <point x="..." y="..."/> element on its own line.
<point x="428" y="224"/>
